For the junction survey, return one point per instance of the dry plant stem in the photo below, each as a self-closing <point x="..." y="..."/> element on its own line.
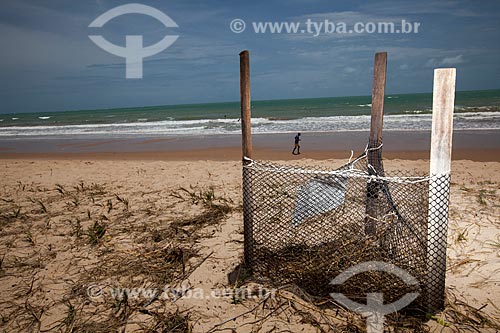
<point x="215" y="328"/>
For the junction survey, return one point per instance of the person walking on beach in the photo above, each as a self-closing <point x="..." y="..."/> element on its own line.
<point x="297" y="145"/>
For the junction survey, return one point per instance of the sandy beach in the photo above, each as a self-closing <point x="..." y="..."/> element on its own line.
<point x="74" y="228"/>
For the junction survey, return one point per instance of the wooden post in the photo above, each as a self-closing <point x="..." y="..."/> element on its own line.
<point x="246" y="144"/>
<point x="378" y="95"/>
<point x="443" y="103"/>
<point x="374" y="156"/>
<point x="245" y="105"/>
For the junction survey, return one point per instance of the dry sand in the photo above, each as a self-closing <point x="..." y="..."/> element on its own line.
<point x="67" y="225"/>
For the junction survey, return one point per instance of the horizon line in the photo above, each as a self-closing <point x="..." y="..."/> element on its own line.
<point x="223" y="102"/>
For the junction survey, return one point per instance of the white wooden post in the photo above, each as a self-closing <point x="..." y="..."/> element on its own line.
<point x="443" y="104"/>
<point x="439" y="185"/>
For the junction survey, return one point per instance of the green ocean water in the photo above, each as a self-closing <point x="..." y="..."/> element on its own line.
<point x="474" y="110"/>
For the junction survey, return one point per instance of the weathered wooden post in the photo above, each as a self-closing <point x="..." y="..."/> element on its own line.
<point x="245" y="104"/>
<point x="443" y="103"/>
<point x="374" y="156"/>
<point x="246" y="144"/>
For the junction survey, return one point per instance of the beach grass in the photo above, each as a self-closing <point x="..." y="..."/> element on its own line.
<point x="66" y="235"/>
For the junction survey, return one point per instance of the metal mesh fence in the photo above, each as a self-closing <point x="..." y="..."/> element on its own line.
<point x="307" y="225"/>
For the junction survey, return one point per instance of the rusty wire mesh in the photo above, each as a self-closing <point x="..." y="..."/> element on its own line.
<point x="307" y="225"/>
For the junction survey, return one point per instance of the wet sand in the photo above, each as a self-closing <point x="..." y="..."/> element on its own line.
<point x="471" y="145"/>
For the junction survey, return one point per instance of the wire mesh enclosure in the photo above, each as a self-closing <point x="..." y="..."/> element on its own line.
<point x="307" y="225"/>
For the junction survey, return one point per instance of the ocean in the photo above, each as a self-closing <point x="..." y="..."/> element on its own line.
<point x="474" y="110"/>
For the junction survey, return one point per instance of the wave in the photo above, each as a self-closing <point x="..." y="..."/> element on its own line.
<point x="417" y="111"/>
<point x="413" y="121"/>
<point x="486" y="108"/>
<point x="44" y="118"/>
<point x="282" y="118"/>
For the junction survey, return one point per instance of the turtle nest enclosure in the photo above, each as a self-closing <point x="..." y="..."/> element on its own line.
<point x="306" y="226"/>
<point x="313" y="227"/>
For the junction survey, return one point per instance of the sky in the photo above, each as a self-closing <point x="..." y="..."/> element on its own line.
<point x="48" y="63"/>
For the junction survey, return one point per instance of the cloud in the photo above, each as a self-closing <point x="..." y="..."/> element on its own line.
<point x="453" y="60"/>
<point x="467" y="13"/>
<point x="32" y="48"/>
<point x="447" y="61"/>
<point x="447" y="7"/>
